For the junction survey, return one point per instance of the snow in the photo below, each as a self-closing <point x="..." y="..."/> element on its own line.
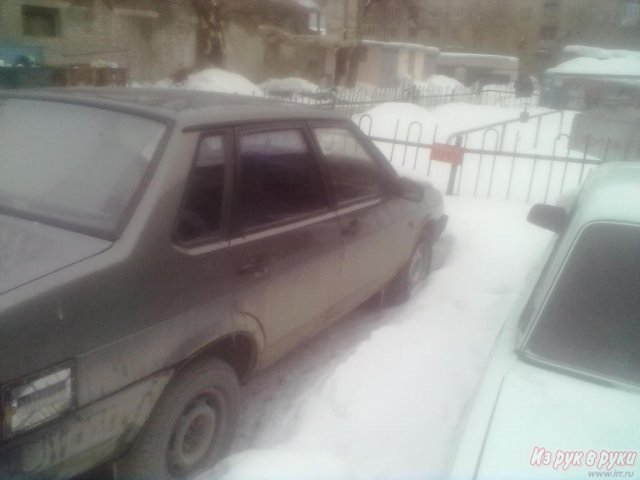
<point x="289" y="86"/>
<point x="210" y="80"/>
<point x="380" y="394"/>
<point x="619" y="65"/>
<point x="597" y="52"/>
<point x="218" y="80"/>
<point x="403" y="45"/>
<point x="441" y="83"/>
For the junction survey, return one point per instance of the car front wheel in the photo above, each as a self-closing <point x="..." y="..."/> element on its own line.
<point x="190" y="428"/>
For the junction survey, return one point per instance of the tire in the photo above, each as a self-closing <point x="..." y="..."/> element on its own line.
<point x="189" y="429"/>
<point x="413" y="274"/>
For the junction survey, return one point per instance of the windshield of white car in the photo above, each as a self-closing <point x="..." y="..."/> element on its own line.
<point x="591" y="321"/>
<point x="81" y="173"/>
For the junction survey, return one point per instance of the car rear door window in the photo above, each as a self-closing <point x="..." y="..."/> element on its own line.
<point x="201" y="214"/>
<point x="279" y="180"/>
<point x="353" y="173"/>
<point x="591" y="320"/>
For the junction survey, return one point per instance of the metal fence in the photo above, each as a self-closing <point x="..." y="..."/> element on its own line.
<point x="528" y="158"/>
<point x="353" y="101"/>
<point x="535" y="157"/>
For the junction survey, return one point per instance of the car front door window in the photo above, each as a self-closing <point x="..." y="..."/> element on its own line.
<point x="353" y="174"/>
<point x="278" y="180"/>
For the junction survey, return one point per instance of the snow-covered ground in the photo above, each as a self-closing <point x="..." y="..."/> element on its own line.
<point x="379" y="395"/>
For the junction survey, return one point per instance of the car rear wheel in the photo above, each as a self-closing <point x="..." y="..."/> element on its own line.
<point x="190" y="428"/>
<point x="412" y="276"/>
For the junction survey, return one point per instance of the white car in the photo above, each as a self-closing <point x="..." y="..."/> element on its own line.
<point x="561" y="398"/>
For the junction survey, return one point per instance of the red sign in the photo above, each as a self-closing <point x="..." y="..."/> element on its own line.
<point x="444" y="152"/>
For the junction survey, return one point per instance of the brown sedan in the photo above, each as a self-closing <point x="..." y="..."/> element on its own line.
<point x="156" y="247"/>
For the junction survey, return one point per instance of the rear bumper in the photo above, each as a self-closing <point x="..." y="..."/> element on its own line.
<point x="84" y="438"/>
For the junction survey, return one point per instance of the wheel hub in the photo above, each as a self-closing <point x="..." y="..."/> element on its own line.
<point x="193" y="437"/>
<point x="417" y="268"/>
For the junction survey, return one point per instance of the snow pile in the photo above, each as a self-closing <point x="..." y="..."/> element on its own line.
<point x="390" y="409"/>
<point x="599" y="61"/>
<point x="286" y="87"/>
<point x="217" y="80"/>
<point x="209" y="80"/>
<point x="597" y="52"/>
<point x="627" y="66"/>
<point x="441" y="83"/>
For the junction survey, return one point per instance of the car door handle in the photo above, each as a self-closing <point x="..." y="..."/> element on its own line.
<point x="257" y="267"/>
<point x="352" y="227"/>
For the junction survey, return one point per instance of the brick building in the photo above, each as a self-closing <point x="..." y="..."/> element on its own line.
<point x="156" y="38"/>
<point x="151" y="38"/>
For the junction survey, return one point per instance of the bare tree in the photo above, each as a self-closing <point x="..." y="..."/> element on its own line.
<point x="364" y="8"/>
<point x="211" y="45"/>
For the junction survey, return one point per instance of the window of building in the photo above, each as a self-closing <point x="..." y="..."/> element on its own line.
<point x="456" y="13"/>
<point x="201" y="213"/>
<point x="590" y="321"/>
<point x="411" y="67"/>
<point x="369" y="30"/>
<point x="40" y="21"/>
<point x="413" y="33"/>
<point x="353" y="174"/>
<point x="548" y="32"/>
<point x="390" y="33"/>
<point x="314" y="21"/>
<point x="278" y="179"/>
<point x="551" y="8"/>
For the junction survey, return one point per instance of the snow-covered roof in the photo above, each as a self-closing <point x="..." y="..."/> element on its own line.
<point x="402" y="45"/>
<point x="610" y="191"/>
<point x="478" y="60"/>
<point x="628" y="66"/>
<point x="304" y="4"/>
<point x="597" y="52"/>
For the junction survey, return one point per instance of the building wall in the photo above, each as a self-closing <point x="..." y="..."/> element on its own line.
<point x="340" y="18"/>
<point x="152" y="42"/>
<point x="534" y="30"/>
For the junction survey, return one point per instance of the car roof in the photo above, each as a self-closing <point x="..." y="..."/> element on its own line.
<point x="191" y="108"/>
<point x="610" y="193"/>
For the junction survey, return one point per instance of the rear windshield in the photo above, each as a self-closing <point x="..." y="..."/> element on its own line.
<point x="591" y="321"/>
<point x="72" y="166"/>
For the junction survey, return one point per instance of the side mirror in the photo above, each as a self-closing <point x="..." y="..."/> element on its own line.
<point x="549" y="217"/>
<point x="410" y="190"/>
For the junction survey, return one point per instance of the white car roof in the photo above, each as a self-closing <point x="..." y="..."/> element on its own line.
<point x="611" y="193"/>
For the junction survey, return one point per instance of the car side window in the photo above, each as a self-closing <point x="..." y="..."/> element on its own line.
<point x="279" y="180"/>
<point x="591" y="320"/>
<point x="353" y="173"/>
<point x="201" y="213"/>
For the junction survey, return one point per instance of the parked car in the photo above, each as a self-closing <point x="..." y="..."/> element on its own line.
<point x="560" y="398"/>
<point x="157" y="247"/>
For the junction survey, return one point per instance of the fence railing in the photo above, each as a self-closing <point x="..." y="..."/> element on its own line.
<point x="533" y="157"/>
<point x="353" y="101"/>
<point x="526" y="159"/>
